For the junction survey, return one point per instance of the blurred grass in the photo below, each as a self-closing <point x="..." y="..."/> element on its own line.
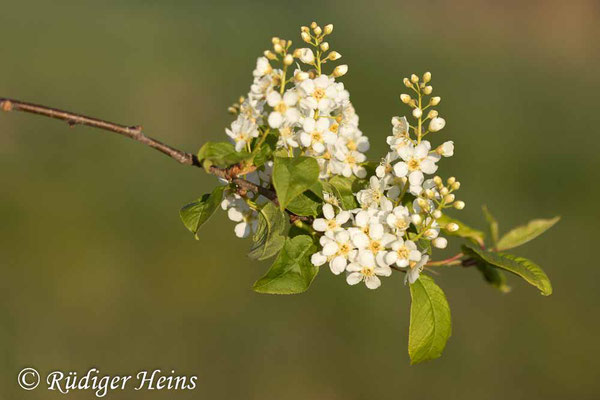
<point x="99" y="272"/>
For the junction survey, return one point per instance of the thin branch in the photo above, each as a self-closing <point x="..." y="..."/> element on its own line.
<point x="135" y="132"/>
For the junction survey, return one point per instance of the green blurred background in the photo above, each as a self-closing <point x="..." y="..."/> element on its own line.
<point x="98" y="271"/>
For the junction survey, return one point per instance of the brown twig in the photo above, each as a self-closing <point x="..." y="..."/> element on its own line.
<point x="135" y="132"/>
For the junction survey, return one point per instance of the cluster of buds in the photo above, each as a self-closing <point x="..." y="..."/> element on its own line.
<point x="315" y="36"/>
<point x="280" y="51"/>
<point x="421" y="87"/>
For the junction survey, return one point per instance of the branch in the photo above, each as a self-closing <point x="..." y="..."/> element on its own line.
<point x="135" y="132"/>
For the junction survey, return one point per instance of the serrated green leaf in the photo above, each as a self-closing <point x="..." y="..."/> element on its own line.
<point x="430" y="321"/>
<point x="523" y="234"/>
<point x="493" y="276"/>
<point x="345" y="192"/>
<point x="526" y="269"/>
<point x="292" y="272"/>
<point x="196" y="213"/>
<point x="306" y="204"/>
<point x="270" y="233"/>
<point x="463" y="231"/>
<point x="221" y="154"/>
<point x="492" y="226"/>
<point x="292" y="176"/>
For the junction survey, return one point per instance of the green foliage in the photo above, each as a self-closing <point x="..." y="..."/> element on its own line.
<point x="306" y="204"/>
<point x="343" y="190"/>
<point x="493" y="276"/>
<point x="198" y="212"/>
<point x="492" y="226"/>
<point x="464" y="231"/>
<point x="270" y="235"/>
<point x="264" y="152"/>
<point x="292" y="272"/>
<point x="523" y="234"/>
<point x="520" y="266"/>
<point x="292" y="176"/>
<point x="430" y="321"/>
<point x="221" y="154"/>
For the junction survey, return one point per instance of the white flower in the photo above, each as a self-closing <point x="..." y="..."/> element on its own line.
<point x="437" y="124"/>
<point x="399" y="128"/>
<point x="262" y="67"/>
<point x="283" y="108"/>
<point x="287" y="137"/>
<point x="315" y="134"/>
<point x="246" y="217"/>
<point x="417" y="162"/>
<point x="440" y="242"/>
<point x="446" y="149"/>
<point x="331" y="223"/>
<point x="318" y="94"/>
<point x="306" y="56"/>
<point x="338" y="250"/>
<point x="242" y="131"/>
<point x="374" y="196"/>
<point x="365" y="269"/>
<point x="398" y="219"/>
<point x="375" y="241"/>
<point x="415" y="270"/>
<point x="403" y="253"/>
<point x="347" y="162"/>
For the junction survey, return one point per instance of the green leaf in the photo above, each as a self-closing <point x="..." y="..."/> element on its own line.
<point x="493" y="276"/>
<point x="523" y="234"/>
<point x="292" y="176"/>
<point x="520" y="266"/>
<point x="292" y="272"/>
<point x="492" y="226"/>
<point x="430" y="322"/>
<point x="265" y="152"/>
<point x="270" y="233"/>
<point x="198" y="212"/>
<point x="464" y="231"/>
<point x="221" y="154"/>
<point x="345" y="192"/>
<point x="306" y="204"/>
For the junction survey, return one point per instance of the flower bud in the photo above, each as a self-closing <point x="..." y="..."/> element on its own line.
<point x="446" y="149"/>
<point x="328" y="29"/>
<point x="274" y="40"/>
<point x="405" y="98"/>
<point x="444" y="191"/>
<point x="452" y="227"/>
<point x="451" y="180"/>
<point x="437" y="214"/>
<point x="427" y="89"/>
<point x="270" y="55"/>
<point x="449" y="198"/>
<point x="459" y="205"/>
<point x="277" y="47"/>
<point x="317" y="30"/>
<point x="430" y="194"/>
<point x="432" y="114"/>
<point x="305" y="55"/>
<point x="456" y="185"/>
<point x="304" y="29"/>
<point x="340" y="70"/>
<point x="439" y="243"/>
<point x="416" y="219"/>
<point x="288" y="59"/>
<point x="406" y="82"/>
<point x="324" y="46"/>
<point x="417" y="113"/>
<point x="427" y="77"/>
<point x="437" y="124"/>
<point x="435" y="100"/>
<point x="300" y="76"/>
<point x="334" y="55"/>
<point x="437" y="180"/>
<point x="305" y="36"/>
<point x="414" y="78"/>
<point x="313" y="24"/>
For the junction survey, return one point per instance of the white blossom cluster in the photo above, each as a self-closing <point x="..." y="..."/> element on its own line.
<point x="309" y="111"/>
<point x="397" y="222"/>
